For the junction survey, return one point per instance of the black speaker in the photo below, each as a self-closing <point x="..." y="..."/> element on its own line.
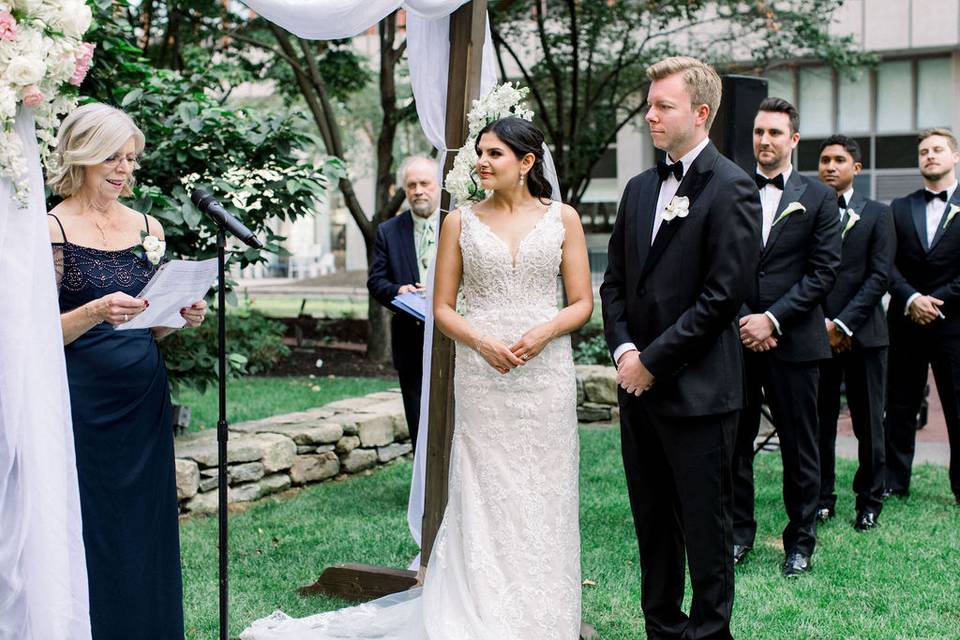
<point x="732" y="130"/>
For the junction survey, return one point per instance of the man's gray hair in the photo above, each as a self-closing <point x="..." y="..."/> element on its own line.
<point x="409" y="160"/>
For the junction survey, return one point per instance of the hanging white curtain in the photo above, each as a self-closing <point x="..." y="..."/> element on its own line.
<point x="43" y="575"/>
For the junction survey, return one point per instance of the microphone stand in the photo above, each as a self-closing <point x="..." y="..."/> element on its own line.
<point x="222" y="429"/>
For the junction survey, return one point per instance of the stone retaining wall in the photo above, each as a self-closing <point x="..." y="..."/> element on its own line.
<point x="344" y="437"/>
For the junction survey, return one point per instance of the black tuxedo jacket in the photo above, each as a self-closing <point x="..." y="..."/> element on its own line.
<point x="394" y="265"/>
<point x="798" y="266"/>
<point x="933" y="270"/>
<point x="866" y="258"/>
<point x="678" y="298"/>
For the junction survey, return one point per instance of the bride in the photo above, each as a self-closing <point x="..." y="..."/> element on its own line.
<point x="506" y="561"/>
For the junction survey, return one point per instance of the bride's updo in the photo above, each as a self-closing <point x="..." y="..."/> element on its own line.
<point x="522" y="138"/>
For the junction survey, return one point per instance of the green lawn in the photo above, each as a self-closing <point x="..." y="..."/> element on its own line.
<point x="252" y="398"/>
<point x="288" y="306"/>
<point x="900" y="581"/>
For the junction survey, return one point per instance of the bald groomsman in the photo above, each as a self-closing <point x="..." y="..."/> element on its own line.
<point x="857" y="331"/>
<point x="924" y="313"/>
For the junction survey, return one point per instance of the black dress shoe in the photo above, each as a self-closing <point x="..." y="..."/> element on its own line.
<point x="825" y="514"/>
<point x="895" y="493"/>
<point x="866" y="520"/>
<point x="796" y="565"/>
<point x="740" y="552"/>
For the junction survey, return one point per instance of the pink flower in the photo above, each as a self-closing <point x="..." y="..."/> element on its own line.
<point x="83" y="63"/>
<point x="32" y="96"/>
<point x="8" y="26"/>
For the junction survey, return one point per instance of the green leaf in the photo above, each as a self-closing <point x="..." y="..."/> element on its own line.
<point x="131" y="97"/>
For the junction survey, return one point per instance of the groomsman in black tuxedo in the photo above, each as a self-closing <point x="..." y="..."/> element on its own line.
<point x="781" y="327"/>
<point x="857" y="332"/>
<point x="924" y="313"/>
<point x="683" y="252"/>
<point x="404" y="248"/>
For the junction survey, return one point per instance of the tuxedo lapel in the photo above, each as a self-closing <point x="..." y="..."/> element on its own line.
<point x="942" y="229"/>
<point x="408" y="244"/>
<point x="918" y="211"/>
<point x="690" y="187"/>
<point x="791" y="193"/>
<point x="647" y="211"/>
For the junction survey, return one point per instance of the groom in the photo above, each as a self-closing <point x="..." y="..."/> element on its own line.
<point x="682" y="256"/>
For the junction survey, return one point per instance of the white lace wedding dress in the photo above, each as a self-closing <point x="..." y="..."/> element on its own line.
<point x="506" y="562"/>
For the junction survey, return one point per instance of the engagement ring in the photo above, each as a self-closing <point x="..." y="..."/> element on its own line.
<point x="126" y="317"/>
<point x="525" y="357"/>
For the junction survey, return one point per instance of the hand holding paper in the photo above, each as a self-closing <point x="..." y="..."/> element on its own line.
<point x="176" y="285"/>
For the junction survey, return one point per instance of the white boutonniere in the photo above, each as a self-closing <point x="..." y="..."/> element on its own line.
<point x="954" y="210"/>
<point x="153" y="248"/>
<point x="852" y="217"/>
<point x="791" y="208"/>
<point x="679" y="207"/>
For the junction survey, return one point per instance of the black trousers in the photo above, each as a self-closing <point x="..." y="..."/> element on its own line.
<point x="407" y="342"/>
<point x="864" y="371"/>
<point x="911" y="353"/>
<point x="790" y="389"/>
<point x="678" y="479"/>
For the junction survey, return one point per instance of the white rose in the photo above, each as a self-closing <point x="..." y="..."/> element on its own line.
<point x="151" y="243"/>
<point x="30" y="6"/>
<point x="23" y="71"/>
<point x="75" y="18"/>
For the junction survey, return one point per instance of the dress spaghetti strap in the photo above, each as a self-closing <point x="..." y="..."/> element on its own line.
<point x="146" y="222"/>
<point x="62" y="232"/>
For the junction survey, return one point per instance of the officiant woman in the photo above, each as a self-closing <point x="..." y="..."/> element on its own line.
<point x="105" y="253"/>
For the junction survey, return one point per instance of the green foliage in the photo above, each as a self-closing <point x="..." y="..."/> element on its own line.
<point x="254" y="397"/>
<point x="593" y="350"/>
<point x="899" y="581"/>
<point x="255" y="344"/>
<point x="258" y="162"/>
<point x="585" y="62"/>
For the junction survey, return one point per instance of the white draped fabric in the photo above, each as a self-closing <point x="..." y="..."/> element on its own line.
<point x="43" y="576"/>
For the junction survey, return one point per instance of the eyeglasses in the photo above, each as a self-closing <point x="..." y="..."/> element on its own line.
<point x="115" y="159"/>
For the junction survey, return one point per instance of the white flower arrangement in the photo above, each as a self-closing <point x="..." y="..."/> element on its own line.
<point x="790" y="208"/>
<point x="153" y="248"/>
<point x="503" y="101"/>
<point x="679" y="207"/>
<point x="42" y="54"/>
<point x="852" y="218"/>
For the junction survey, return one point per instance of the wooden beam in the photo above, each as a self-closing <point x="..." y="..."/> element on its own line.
<point x="467" y="32"/>
<point x="360" y="582"/>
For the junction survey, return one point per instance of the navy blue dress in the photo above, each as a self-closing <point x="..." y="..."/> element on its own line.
<point x="122" y="425"/>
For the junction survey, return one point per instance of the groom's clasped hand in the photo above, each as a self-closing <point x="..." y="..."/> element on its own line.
<point x="632" y="375"/>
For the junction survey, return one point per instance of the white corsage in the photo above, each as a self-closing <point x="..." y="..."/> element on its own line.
<point x="852" y="217"/>
<point x="679" y="207"/>
<point x="954" y="210"/>
<point x="153" y="248"/>
<point x="791" y="208"/>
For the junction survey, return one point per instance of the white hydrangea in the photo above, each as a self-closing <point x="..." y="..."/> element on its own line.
<point x="504" y="100"/>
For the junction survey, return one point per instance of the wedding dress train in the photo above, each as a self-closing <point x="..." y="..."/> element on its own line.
<point x="506" y="561"/>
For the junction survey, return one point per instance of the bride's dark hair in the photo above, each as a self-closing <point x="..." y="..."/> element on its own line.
<point x="522" y="138"/>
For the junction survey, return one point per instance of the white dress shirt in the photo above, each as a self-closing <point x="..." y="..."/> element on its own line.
<point x="770" y="199"/>
<point x="847" y="197"/>
<point x="935" y="211"/>
<point x="668" y="189"/>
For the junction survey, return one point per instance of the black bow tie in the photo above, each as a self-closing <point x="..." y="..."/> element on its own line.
<point x="763" y="181"/>
<point x="930" y="195"/>
<point x="841" y="202"/>
<point x="664" y="170"/>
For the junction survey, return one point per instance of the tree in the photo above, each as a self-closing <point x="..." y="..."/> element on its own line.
<point x="585" y="60"/>
<point x="260" y="162"/>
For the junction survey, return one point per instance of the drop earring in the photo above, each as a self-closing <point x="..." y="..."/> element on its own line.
<point x="521" y="179"/>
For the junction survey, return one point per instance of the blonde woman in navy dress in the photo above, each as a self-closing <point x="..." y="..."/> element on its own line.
<point x="120" y="400"/>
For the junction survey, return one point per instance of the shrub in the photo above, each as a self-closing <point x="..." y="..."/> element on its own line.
<point x="593" y="350"/>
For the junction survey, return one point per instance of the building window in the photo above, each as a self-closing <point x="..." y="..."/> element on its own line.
<point x="895" y="99"/>
<point x="853" y="103"/>
<point x="780" y="85"/>
<point x="816" y="101"/>
<point x="934" y="92"/>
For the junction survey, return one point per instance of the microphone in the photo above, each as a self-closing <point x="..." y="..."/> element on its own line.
<point x="209" y="205"/>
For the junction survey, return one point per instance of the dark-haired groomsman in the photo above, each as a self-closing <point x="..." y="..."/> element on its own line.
<point x="924" y="313"/>
<point x="781" y="329"/>
<point x="857" y="331"/>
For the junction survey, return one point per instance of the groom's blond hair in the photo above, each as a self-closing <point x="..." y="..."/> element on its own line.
<point x="703" y="83"/>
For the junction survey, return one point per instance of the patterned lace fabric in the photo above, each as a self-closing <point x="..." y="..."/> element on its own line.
<point x="506" y="562"/>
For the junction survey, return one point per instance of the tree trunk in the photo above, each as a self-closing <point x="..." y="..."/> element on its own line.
<point x="378" y="332"/>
